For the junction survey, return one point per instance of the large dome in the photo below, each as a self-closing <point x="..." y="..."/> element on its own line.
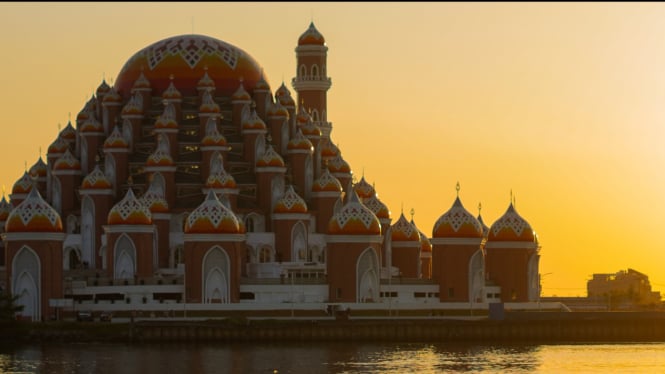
<point x="186" y="57"/>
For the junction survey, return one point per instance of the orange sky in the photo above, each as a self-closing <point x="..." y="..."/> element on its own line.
<point x="562" y="103"/>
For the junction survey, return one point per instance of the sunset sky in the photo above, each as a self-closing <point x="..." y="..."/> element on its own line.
<point x="561" y="103"/>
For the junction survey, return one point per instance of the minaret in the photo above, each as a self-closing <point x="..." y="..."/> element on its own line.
<point x="290" y="222"/>
<point x="161" y="163"/>
<point x="168" y="125"/>
<point x="213" y="142"/>
<point x="96" y="201"/>
<point x="311" y="81"/>
<point x="270" y="171"/>
<point x="111" y="106"/>
<point x="405" y="248"/>
<point x="67" y="172"/>
<point x="116" y="155"/>
<point x="300" y="152"/>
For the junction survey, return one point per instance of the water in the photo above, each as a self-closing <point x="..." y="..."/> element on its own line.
<point x="332" y="358"/>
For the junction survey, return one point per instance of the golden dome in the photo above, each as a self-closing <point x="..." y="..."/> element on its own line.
<point x="112" y="97"/>
<point x="33" y="215"/>
<point x="67" y="162"/>
<point x="129" y="211"/>
<point x="253" y="121"/>
<point x="39" y="169"/>
<point x="270" y="158"/>
<point x="23" y="185"/>
<point x="364" y="189"/>
<point x="116" y="140"/>
<point x="154" y="200"/>
<point x="283" y="95"/>
<point x="511" y="227"/>
<point x="290" y="203"/>
<point x="141" y="83"/>
<point x="377" y="207"/>
<point x="354" y="219"/>
<point x="208" y="105"/>
<point x="91" y="125"/>
<point x="134" y="106"/>
<point x="213" y="137"/>
<point x="58" y="146"/>
<point x="241" y="94"/>
<point x="338" y="165"/>
<point x="171" y="92"/>
<point x="457" y="222"/>
<point x="212" y="217"/>
<point x="327" y="183"/>
<point x="299" y="141"/>
<point x="219" y="178"/>
<point x="404" y="231"/>
<point x="103" y="88"/>
<point x="186" y="57"/>
<point x="206" y="83"/>
<point x="311" y="36"/>
<point x="68" y="133"/>
<point x="167" y="120"/>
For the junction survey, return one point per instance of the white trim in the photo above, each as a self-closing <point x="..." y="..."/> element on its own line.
<point x="215" y="148"/>
<point x="267" y="169"/>
<point x="96" y="191"/>
<point x="311" y="48"/>
<point x="253" y="131"/>
<point x="365" y="239"/>
<point x="16" y="236"/>
<point x="160" y="168"/>
<point x="165" y="130"/>
<point x="228" y="191"/>
<point x="66" y="172"/>
<point x="406" y="244"/>
<point x="293" y="216"/>
<point x="300" y="151"/>
<point x="214" y="237"/>
<point x="334" y="194"/>
<point x="240" y="102"/>
<point x="92" y="133"/>
<point x="508" y="245"/>
<point x="116" y="150"/>
<point x="453" y="241"/>
<point x="161" y="216"/>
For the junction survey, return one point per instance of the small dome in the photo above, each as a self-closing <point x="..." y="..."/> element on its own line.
<point x="208" y="105"/>
<point x="311" y="36"/>
<point x="58" y="146"/>
<point x="327" y="183"/>
<point x="270" y="158"/>
<point x="277" y="110"/>
<point x="354" y="219"/>
<point x="33" y="215"/>
<point x="167" y="120"/>
<point x="68" y="133"/>
<point x="91" y="125"/>
<point x="404" y="231"/>
<point x="103" y="88"/>
<point x="328" y="149"/>
<point x="241" y="94"/>
<point x="338" y="165"/>
<point x="134" y="106"/>
<point x="96" y="180"/>
<point x="23" y="185"/>
<point x="290" y="203"/>
<point x="141" y="83"/>
<point x="299" y="141"/>
<point x="171" y="92"/>
<point x="153" y="199"/>
<point x="162" y="155"/>
<point x="212" y="217"/>
<point x="219" y="178"/>
<point x="115" y="140"/>
<point x="253" y="121"/>
<point x="457" y="222"/>
<point x="67" y="162"/>
<point x="261" y="84"/>
<point x="213" y="137"/>
<point x="511" y="227"/>
<point x="302" y="117"/>
<point x="39" y="169"/>
<point x="364" y="189"/>
<point x="205" y="83"/>
<point x="129" y="211"/>
<point x="311" y="130"/>
<point x="377" y="207"/>
<point x="112" y="97"/>
<point x="283" y="95"/>
<point x="5" y="209"/>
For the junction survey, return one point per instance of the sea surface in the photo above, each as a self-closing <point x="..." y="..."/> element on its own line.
<point x="332" y="358"/>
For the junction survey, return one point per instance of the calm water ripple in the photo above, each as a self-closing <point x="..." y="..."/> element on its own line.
<point x="332" y="358"/>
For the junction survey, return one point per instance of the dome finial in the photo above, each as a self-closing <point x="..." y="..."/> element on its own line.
<point x="457" y="188"/>
<point x="511" y="196"/>
<point x="40" y="151"/>
<point x="480" y="207"/>
<point x="25" y="165"/>
<point x="3" y="191"/>
<point x="413" y="213"/>
<point x="402" y="208"/>
<point x="130" y="181"/>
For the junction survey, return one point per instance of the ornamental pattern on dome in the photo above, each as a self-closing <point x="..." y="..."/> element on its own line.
<point x="270" y="158"/>
<point x="162" y="155"/>
<point x="511" y="221"/>
<point x="338" y="165"/>
<point x="96" y="180"/>
<point x="23" y="184"/>
<point x="311" y="36"/>
<point x="218" y="177"/>
<point x="455" y="218"/>
<point x="141" y="82"/>
<point x="167" y="119"/>
<point x="5" y="209"/>
<point x="277" y="110"/>
<point x="206" y="82"/>
<point x="34" y="215"/>
<point x="58" y="146"/>
<point x="302" y="117"/>
<point x="112" y="97"/>
<point x="67" y="162"/>
<point x="403" y="231"/>
<point x="154" y="200"/>
<point x="208" y="105"/>
<point x="299" y="141"/>
<point x="103" y="88"/>
<point x="425" y="244"/>
<point x="134" y="106"/>
<point x="115" y="140"/>
<point x="354" y="219"/>
<point x="213" y="137"/>
<point x="129" y="211"/>
<point x="328" y="149"/>
<point x="327" y="182"/>
<point x="261" y="84"/>
<point x="290" y="203"/>
<point x="212" y="217"/>
<point x="91" y="125"/>
<point x="364" y="189"/>
<point x="171" y="92"/>
<point x="241" y="94"/>
<point x="253" y="121"/>
<point x="311" y="130"/>
<point x="39" y="169"/>
<point x="377" y="207"/>
<point x="191" y="49"/>
<point x="282" y="91"/>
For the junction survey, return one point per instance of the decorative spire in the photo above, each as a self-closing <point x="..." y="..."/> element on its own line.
<point x="413" y="212"/>
<point x="457" y="188"/>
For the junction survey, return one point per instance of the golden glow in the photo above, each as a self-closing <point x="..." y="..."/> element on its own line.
<point x="561" y="102"/>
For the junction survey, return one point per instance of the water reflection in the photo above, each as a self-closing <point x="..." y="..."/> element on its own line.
<point x="328" y="358"/>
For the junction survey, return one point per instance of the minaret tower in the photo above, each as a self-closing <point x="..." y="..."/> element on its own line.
<point x="311" y="81"/>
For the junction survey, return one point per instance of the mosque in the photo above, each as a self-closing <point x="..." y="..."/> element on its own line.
<point x="190" y="181"/>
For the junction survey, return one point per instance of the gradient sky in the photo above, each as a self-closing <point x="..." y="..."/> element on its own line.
<point x="562" y="103"/>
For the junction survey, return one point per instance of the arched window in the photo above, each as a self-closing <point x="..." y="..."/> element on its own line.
<point x="57" y="195"/>
<point x="265" y="254"/>
<point x="277" y="188"/>
<point x="216" y="276"/>
<point x="299" y="248"/>
<point x="367" y="276"/>
<point x="309" y="176"/>
<point x="127" y="132"/>
<point x="303" y="71"/>
<point x="124" y="258"/>
<point x="109" y="170"/>
<point x="84" y="155"/>
<point x="259" y="148"/>
<point x="88" y="231"/>
<point x="315" y="71"/>
<point x="26" y="281"/>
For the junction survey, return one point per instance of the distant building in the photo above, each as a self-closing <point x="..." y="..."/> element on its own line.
<point x="191" y="180"/>
<point x="624" y="287"/>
